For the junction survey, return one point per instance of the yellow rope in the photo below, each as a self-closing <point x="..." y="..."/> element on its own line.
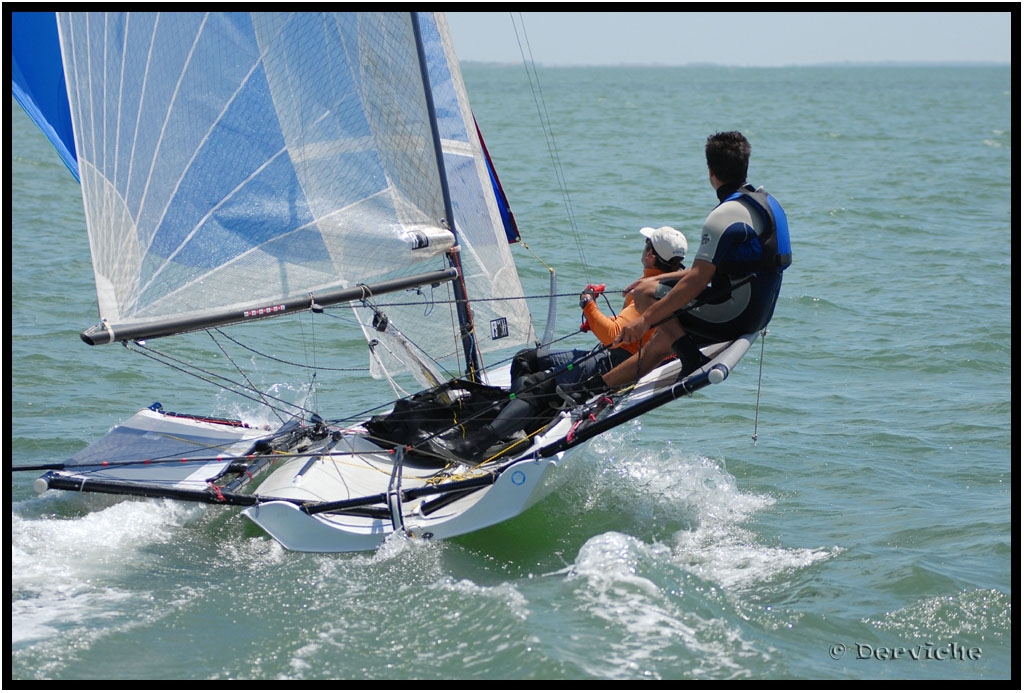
<point x="536" y="257"/>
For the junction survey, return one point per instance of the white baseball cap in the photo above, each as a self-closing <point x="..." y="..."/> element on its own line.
<point x="667" y="242"/>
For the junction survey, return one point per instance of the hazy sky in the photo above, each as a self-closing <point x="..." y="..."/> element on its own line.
<point x="758" y="38"/>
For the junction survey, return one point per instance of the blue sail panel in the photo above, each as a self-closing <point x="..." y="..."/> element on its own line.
<point x="37" y="80"/>
<point x="232" y="159"/>
<point x="507" y="219"/>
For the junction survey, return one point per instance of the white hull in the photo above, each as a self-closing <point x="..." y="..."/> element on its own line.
<point x="331" y="490"/>
<point x="358" y="469"/>
<point x="367" y="473"/>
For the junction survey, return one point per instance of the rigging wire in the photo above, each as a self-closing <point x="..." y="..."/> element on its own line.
<point x="286" y="362"/>
<point x="221" y="381"/>
<point x="760" y="370"/>
<point x="538" y="97"/>
<point x="239" y="389"/>
<point x="252" y="387"/>
<point x="248" y="389"/>
<point x="386" y="325"/>
<point x="391" y="304"/>
<point x="312" y="392"/>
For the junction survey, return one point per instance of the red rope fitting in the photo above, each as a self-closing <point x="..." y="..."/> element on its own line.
<point x="216" y="490"/>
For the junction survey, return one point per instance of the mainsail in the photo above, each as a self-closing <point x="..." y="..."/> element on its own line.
<point x="241" y="164"/>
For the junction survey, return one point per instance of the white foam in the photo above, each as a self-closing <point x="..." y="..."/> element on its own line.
<point x="707" y="513"/>
<point x="647" y="616"/>
<point x="66" y="570"/>
<point x="733" y="557"/>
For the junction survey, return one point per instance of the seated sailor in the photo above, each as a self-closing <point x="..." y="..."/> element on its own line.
<point x="538" y="380"/>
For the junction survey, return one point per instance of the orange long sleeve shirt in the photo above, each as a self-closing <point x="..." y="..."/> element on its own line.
<point x="606" y="328"/>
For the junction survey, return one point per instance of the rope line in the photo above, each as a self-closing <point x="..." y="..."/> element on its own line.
<point x="538" y="96"/>
<point x="760" y="371"/>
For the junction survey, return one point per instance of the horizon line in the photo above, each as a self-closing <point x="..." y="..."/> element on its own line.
<point x="834" y="63"/>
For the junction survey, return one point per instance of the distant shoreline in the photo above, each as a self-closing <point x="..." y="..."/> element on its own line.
<point x="900" y="64"/>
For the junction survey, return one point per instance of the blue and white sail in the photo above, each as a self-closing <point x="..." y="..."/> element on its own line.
<point x="242" y="164"/>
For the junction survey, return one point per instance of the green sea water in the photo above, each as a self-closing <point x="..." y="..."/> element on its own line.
<point x="840" y="508"/>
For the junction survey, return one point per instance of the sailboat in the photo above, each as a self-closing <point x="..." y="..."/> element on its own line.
<point x="236" y="168"/>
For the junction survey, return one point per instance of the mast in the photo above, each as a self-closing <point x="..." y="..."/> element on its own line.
<point x="466" y="326"/>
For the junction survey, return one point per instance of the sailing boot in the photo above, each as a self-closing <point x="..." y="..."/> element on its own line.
<point x="581" y="392"/>
<point x="491" y="439"/>
<point x="468" y="449"/>
<point x="689" y="354"/>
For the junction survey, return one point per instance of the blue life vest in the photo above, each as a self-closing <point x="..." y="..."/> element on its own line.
<point x="776" y="254"/>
